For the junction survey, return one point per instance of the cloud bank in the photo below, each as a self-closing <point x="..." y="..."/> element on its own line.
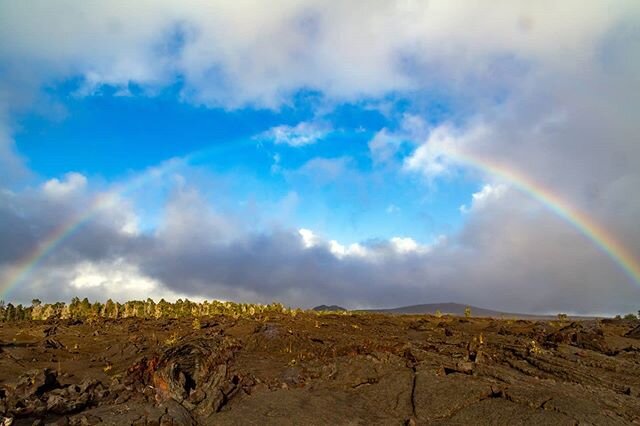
<point x="497" y="259"/>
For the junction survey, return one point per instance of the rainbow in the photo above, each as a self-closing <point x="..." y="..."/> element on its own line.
<point x="598" y="235"/>
<point x="60" y="234"/>
<point x="587" y="226"/>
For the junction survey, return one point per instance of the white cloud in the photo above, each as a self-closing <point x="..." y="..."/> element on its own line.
<point x="131" y="224"/>
<point x="340" y="251"/>
<point x="384" y="146"/>
<point x="116" y="275"/>
<point x="118" y="280"/>
<point x="406" y="245"/>
<point x="487" y="194"/>
<point x="71" y="184"/>
<point x="309" y="238"/>
<point x="303" y="133"/>
<point x="442" y="150"/>
<point x="377" y="252"/>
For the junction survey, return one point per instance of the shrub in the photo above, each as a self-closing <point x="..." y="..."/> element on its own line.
<point x="196" y="324"/>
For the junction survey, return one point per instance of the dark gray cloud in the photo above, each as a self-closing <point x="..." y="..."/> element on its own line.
<point x="512" y="254"/>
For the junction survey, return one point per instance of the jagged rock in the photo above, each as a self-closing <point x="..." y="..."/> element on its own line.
<point x="270" y="331"/>
<point x="85" y="420"/>
<point x="292" y="376"/>
<point x="634" y="333"/>
<point x="194" y="374"/>
<point x="576" y="334"/>
<point x="462" y="367"/>
<point x="36" y="383"/>
<point x="420" y="325"/>
<point x="50" y="331"/>
<point x="474" y="347"/>
<point x="39" y="392"/>
<point x="57" y="404"/>
<point x="63" y="421"/>
<point x="52" y="344"/>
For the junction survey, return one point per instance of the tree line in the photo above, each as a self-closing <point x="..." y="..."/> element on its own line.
<point x="84" y="309"/>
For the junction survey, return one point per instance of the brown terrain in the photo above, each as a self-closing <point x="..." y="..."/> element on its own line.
<point x="316" y="369"/>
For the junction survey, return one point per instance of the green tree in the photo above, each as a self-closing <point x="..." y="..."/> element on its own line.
<point x="10" y="312"/>
<point x="162" y="309"/>
<point x="74" y="308"/>
<point x="20" y="313"/>
<point x="36" y="309"/>
<point x="85" y="308"/>
<point x="96" y="309"/>
<point x="149" y="308"/>
<point x="467" y="312"/>
<point x="196" y="325"/>
<point x="109" y="310"/>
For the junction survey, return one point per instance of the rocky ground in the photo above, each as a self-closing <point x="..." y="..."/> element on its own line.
<point x="320" y="369"/>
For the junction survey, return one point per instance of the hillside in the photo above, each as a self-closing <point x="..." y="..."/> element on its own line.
<point x="329" y="308"/>
<point x="454" y="309"/>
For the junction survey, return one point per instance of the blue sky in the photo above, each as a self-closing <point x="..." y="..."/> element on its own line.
<point x="318" y="152"/>
<point x="108" y="137"/>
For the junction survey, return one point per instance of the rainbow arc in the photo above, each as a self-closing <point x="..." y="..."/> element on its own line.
<point x="596" y="233"/>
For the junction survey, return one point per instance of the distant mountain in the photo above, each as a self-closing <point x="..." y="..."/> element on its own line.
<point x="451" y="309"/>
<point x="332" y="308"/>
<point x="454" y="309"/>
